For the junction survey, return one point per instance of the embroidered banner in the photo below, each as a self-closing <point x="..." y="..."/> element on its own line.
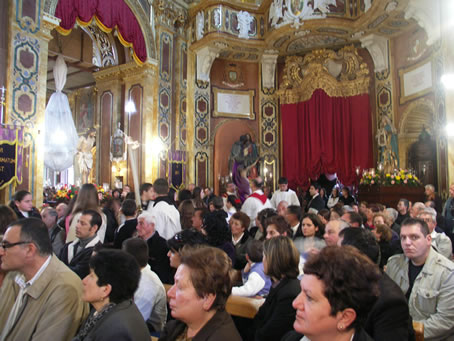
<point x="177" y="169"/>
<point x="11" y="153"/>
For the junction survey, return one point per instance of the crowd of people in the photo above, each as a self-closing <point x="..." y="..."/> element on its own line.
<point x="323" y="267"/>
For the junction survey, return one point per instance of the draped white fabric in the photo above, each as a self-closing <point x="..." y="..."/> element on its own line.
<point x="60" y="135"/>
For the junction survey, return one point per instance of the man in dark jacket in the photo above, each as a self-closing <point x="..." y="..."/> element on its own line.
<point x="77" y="253"/>
<point x="157" y="247"/>
<point x="128" y="228"/>
<point x="316" y="203"/>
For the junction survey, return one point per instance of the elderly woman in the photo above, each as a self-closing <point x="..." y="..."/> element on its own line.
<point x="339" y="287"/>
<point x="109" y="288"/>
<point x="280" y="262"/>
<point x="198" y="297"/>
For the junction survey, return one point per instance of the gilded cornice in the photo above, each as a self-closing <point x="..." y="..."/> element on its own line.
<point x="303" y="75"/>
<point x="125" y="71"/>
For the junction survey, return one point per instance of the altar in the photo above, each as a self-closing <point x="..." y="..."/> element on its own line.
<point x="390" y="195"/>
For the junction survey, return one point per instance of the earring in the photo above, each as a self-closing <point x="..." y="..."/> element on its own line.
<point x="341" y="327"/>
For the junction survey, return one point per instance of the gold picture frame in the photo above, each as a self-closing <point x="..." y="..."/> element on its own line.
<point x="424" y="71"/>
<point x="237" y="99"/>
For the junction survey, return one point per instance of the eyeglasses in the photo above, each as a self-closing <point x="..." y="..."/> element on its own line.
<point x="6" y="245"/>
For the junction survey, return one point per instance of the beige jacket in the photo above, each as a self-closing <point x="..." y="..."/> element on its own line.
<point x="432" y="297"/>
<point x="53" y="308"/>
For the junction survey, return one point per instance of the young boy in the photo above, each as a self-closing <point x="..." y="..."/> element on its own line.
<point x="255" y="282"/>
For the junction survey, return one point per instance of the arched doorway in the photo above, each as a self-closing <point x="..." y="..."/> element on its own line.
<point x="226" y="135"/>
<point x="418" y="115"/>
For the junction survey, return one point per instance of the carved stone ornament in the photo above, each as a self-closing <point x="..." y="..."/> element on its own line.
<point x="378" y="49"/>
<point x="303" y="75"/>
<point x="294" y="12"/>
<point x="233" y="77"/>
<point x="199" y="25"/>
<point x="205" y="59"/>
<point x="244" y="24"/>
<point x="427" y="14"/>
<point x="268" y="70"/>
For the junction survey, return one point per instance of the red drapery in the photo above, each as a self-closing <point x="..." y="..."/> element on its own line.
<point x="108" y="15"/>
<point x="326" y="135"/>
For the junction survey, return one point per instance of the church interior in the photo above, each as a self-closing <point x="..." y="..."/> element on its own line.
<point x="164" y="88"/>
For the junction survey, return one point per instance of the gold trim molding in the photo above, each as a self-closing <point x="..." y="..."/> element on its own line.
<point x="339" y="74"/>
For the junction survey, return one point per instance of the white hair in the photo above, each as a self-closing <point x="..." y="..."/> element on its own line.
<point x="429" y="211"/>
<point x="392" y="213"/>
<point x="431" y="187"/>
<point x="148" y="217"/>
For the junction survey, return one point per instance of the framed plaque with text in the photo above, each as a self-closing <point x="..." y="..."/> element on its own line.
<point x="234" y="103"/>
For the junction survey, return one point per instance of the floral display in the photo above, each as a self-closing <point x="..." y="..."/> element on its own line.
<point x="66" y="192"/>
<point x="398" y="177"/>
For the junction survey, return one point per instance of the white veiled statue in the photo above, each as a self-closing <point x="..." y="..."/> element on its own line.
<point x="60" y="135"/>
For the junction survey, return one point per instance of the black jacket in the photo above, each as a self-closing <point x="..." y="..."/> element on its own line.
<point x="316" y="203"/>
<point x="79" y="263"/>
<point x="123" y="323"/>
<point x="158" y="260"/>
<point x="360" y="335"/>
<point x="126" y="231"/>
<point x="276" y="316"/>
<point x="219" y="328"/>
<point x="389" y="319"/>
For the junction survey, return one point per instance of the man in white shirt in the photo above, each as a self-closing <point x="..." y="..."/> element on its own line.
<point x="256" y="202"/>
<point x="150" y="296"/>
<point x="41" y="298"/>
<point x="440" y="241"/>
<point x="167" y="217"/>
<point x="284" y="193"/>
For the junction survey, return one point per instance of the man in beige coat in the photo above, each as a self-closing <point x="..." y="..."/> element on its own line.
<point x="41" y="298"/>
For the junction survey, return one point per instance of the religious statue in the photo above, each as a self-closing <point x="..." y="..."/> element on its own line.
<point x="200" y="23"/>
<point x="387" y="145"/>
<point x="275" y="12"/>
<point x="243" y="160"/>
<point x="84" y="156"/>
<point x="244" y="24"/>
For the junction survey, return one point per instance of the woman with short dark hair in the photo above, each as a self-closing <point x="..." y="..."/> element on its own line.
<point x="190" y="237"/>
<point x="197" y="299"/>
<point x="275" y="317"/>
<point x="338" y="289"/>
<point x="109" y="288"/>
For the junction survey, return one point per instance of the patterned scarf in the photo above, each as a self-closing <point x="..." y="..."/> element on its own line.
<point x="91" y="321"/>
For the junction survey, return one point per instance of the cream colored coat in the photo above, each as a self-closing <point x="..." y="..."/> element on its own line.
<point x="54" y="309"/>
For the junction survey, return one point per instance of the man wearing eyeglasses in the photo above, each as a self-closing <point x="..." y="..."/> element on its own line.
<point x="41" y="298"/>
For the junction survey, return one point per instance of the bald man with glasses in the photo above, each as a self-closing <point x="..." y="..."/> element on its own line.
<point x="40" y="298"/>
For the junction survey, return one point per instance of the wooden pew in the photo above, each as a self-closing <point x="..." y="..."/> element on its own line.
<point x="243" y="306"/>
<point x="419" y="330"/>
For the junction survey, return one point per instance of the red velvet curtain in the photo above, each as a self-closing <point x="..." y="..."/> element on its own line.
<point x="109" y="13"/>
<point x="326" y="135"/>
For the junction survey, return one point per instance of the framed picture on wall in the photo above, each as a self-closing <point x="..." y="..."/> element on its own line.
<point x="416" y="81"/>
<point x="85" y="105"/>
<point x="234" y="103"/>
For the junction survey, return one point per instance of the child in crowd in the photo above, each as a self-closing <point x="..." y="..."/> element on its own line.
<point x="255" y="282"/>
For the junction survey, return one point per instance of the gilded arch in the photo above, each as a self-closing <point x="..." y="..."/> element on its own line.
<point x="142" y="17"/>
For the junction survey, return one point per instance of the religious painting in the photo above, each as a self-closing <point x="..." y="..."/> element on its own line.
<point x="85" y="109"/>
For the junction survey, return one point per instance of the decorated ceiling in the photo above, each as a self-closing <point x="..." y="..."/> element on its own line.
<point x="245" y="31"/>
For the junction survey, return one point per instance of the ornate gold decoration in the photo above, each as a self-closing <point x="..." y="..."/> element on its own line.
<point x="340" y="74"/>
